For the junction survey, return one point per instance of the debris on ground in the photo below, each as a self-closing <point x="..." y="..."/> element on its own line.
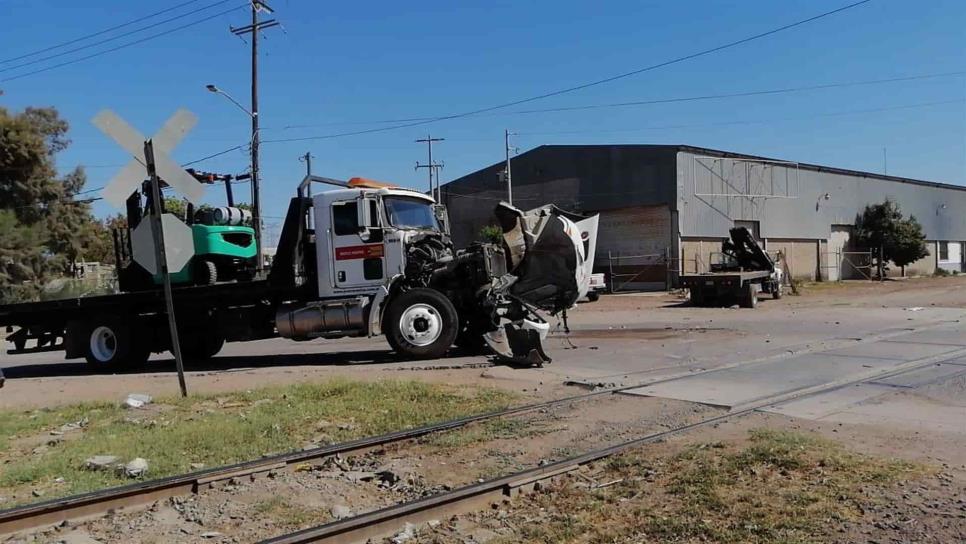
<point x="137" y="400"/>
<point x="136" y="468"/>
<point x="74" y="425"/>
<point x="100" y="462"/>
<point x="340" y="511"/>
<point x="407" y="534"/>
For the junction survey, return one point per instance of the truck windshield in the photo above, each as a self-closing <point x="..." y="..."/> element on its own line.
<point x="410" y="213"/>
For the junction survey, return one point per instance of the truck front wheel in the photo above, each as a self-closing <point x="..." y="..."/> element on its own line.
<point x="421" y="324"/>
<point x="776" y="292"/>
<point x="111" y="344"/>
<point x="749" y="295"/>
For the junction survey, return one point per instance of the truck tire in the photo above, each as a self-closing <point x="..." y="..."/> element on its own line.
<point x="749" y="295"/>
<point x="776" y="291"/>
<point x="421" y="324"/>
<point x="593" y="296"/>
<point x="112" y="344"/>
<point x="697" y="296"/>
<point x="470" y="340"/>
<point x="197" y="348"/>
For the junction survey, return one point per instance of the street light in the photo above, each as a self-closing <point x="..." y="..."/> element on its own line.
<point x="818" y="202"/>
<point x="256" y="200"/>
<point x="216" y="90"/>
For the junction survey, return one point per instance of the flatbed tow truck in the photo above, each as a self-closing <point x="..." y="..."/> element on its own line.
<point x="360" y="259"/>
<point x="744" y="271"/>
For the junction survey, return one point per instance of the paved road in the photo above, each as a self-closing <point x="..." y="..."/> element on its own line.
<point x="621" y="339"/>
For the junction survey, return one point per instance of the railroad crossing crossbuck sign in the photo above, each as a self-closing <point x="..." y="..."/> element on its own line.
<point x="130" y="177"/>
<point x="178" y="243"/>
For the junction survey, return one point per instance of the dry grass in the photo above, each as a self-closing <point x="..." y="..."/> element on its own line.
<point x="779" y="487"/>
<point x="281" y="511"/>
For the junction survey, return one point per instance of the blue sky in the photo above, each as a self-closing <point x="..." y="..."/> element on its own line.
<point x="339" y="65"/>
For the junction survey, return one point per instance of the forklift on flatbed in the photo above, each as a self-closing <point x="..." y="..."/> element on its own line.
<point x="223" y="239"/>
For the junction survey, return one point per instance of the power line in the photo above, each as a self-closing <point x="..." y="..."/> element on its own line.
<point x="752" y="122"/>
<point x="582" y="86"/>
<point x="213" y="155"/>
<point x="112" y="38"/>
<point x="125" y="45"/>
<point x="647" y="102"/>
<point x="98" y="33"/>
<point x="669" y="100"/>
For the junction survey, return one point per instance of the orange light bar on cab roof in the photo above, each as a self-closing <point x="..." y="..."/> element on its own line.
<point x="370" y="184"/>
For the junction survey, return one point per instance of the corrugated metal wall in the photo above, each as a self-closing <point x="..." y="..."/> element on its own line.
<point x="584" y="179"/>
<point x="711" y="197"/>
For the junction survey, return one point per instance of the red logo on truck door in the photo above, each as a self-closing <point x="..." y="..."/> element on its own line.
<point x="349" y="253"/>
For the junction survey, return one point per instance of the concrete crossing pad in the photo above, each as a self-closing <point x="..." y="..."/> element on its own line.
<point x="743" y="384"/>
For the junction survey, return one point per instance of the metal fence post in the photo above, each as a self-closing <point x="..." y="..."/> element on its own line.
<point x="667" y="269"/>
<point x="610" y="270"/>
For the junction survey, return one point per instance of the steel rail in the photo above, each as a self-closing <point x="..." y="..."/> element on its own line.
<point x="94" y="503"/>
<point x="387" y="521"/>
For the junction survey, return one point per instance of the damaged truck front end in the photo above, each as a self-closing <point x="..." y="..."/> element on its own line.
<point x="501" y="291"/>
<point x="549" y="255"/>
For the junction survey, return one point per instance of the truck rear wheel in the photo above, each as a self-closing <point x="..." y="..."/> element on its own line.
<point x="199" y="348"/>
<point x="111" y="344"/>
<point x="697" y="296"/>
<point x="421" y="324"/>
<point x="776" y="292"/>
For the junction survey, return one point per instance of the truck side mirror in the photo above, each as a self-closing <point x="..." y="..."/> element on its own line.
<point x="442" y="217"/>
<point x="366" y="218"/>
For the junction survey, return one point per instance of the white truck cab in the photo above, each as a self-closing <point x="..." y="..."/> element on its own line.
<point x="384" y="264"/>
<point x="361" y="235"/>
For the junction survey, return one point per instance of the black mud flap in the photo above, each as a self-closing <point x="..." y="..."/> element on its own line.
<point x="516" y="345"/>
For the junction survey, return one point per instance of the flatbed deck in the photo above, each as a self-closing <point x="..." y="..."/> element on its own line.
<point x="228" y="294"/>
<point x="703" y="278"/>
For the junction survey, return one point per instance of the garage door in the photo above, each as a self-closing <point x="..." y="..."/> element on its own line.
<point x="633" y="242"/>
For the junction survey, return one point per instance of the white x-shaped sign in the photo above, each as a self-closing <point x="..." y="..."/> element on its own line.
<point x="130" y="177"/>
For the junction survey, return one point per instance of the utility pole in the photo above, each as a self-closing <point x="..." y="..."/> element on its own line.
<point x="509" y="176"/>
<point x="885" y="162"/>
<point x="428" y="140"/>
<point x="253" y="29"/>
<point x="307" y="159"/>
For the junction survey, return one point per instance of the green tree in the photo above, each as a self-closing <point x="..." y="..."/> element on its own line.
<point x="882" y="226"/>
<point x="23" y="258"/>
<point x="492" y="234"/>
<point x="44" y="228"/>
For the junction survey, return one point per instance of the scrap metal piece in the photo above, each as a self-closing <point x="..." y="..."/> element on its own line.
<point x="520" y="342"/>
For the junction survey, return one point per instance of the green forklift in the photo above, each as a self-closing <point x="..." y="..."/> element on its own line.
<point x="223" y="238"/>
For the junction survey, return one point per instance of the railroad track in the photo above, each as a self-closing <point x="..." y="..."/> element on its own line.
<point x="88" y="505"/>
<point x="385" y="522"/>
<point x="95" y="503"/>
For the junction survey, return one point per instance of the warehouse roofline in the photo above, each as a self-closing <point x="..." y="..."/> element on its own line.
<point x="732" y="155"/>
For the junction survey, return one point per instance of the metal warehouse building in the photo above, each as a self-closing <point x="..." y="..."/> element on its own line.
<point x="665" y="208"/>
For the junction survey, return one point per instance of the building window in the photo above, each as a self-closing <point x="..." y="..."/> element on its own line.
<point x="943" y="251"/>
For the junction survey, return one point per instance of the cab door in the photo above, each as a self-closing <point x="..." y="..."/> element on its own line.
<point x="356" y="262"/>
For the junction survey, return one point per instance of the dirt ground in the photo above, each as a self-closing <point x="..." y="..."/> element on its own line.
<point x="621" y="339"/>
